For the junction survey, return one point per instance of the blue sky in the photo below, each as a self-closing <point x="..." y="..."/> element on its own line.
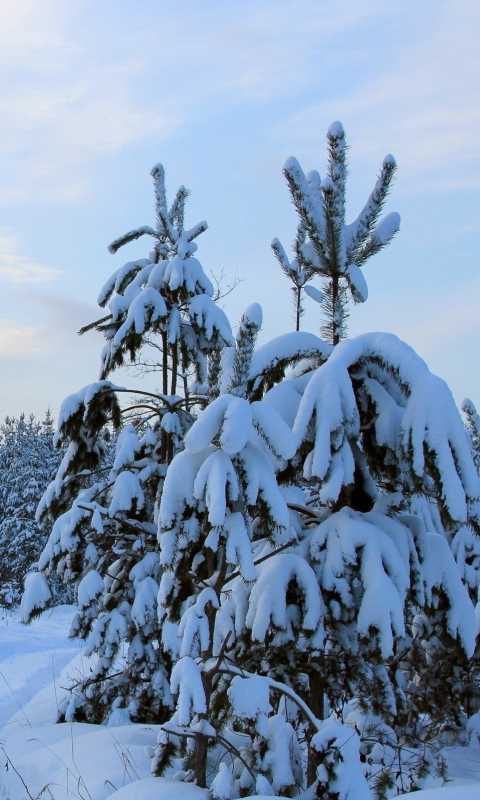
<point x="222" y="92"/>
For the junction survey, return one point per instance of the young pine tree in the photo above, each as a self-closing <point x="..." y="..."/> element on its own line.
<point x="104" y="533"/>
<point x="325" y="246"/>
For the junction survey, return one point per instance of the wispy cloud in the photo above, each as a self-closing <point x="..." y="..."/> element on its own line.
<point x="92" y="90"/>
<point x="72" y="92"/>
<point x="423" y="101"/>
<point x="60" y="318"/>
<point x="16" y="267"/>
<point x="41" y="363"/>
<point x="20" y="341"/>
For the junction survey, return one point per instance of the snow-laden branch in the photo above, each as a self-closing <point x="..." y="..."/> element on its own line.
<point x="431" y="434"/>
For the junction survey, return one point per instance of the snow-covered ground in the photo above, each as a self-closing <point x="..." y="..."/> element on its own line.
<point x="93" y="762"/>
<point x="38" y="757"/>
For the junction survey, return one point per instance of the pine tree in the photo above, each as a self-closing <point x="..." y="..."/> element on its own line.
<point x="104" y="531"/>
<point x="325" y="245"/>
<point x="28" y="462"/>
<point x="283" y="626"/>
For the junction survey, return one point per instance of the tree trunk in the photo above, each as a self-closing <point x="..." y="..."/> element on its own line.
<point x="201" y="750"/>
<point x="316" y="699"/>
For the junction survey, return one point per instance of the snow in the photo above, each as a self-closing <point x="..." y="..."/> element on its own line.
<point x="250" y="698"/>
<point x="227" y="414"/>
<point x="268" y="600"/>
<point x="260" y="481"/>
<point x="462" y="792"/>
<point x="273" y="430"/>
<point x="239" y="548"/>
<point x="288" y="348"/>
<point x="36" y="595"/>
<point x="90" y="587"/>
<point x="222" y="785"/>
<point x="336" y="544"/>
<point x="160" y="789"/>
<point x="348" y="780"/>
<point x="358" y="282"/>
<point x="194" y="627"/>
<point x="388" y="226"/>
<point x="115" y="761"/>
<point x="148" y="305"/>
<point x="89" y="760"/>
<point x="186" y="681"/>
<point x="144" y="606"/>
<point x="314" y="294"/>
<point x="126" y="489"/>
<point x="389" y="160"/>
<point x="205" y="314"/>
<point x="180" y="481"/>
<point x="215" y="483"/>
<point x="336" y="130"/>
<point x="444" y="573"/>
<point x="277" y="759"/>
<point x="127" y="447"/>
<point x="74" y="759"/>
<point x="431" y="422"/>
<point x="253" y="315"/>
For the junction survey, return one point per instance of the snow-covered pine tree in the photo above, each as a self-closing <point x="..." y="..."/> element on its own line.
<point x="446" y="680"/>
<point x="28" y="462"/>
<point x="374" y="567"/>
<point x="366" y="467"/>
<point x="388" y="466"/>
<point x="357" y="553"/>
<point x="104" y="533"/>
<point x="325" y="245"/>
<point x="297" y="571"/>
<point x="221" y="514"/>
<point x="297" y="275"/>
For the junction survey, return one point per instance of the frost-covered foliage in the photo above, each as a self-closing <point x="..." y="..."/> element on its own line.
<point x="325" y="246"/>
<point x="104" y="511"/>
<point x="329" y="611"/>
<point x="28" y="462"/>
<point x="277" y="567"/>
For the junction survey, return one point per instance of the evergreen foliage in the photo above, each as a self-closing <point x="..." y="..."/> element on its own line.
<point x="28" y="462"/>
<point x="325" y="245"/>
<point x="266" y="569"/>
<point x="106" y="539"/>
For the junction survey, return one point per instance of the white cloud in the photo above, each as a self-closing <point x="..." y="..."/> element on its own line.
<point x="73" y="91"/>
<point x="271" y="49"/>
<point x="421" y="101"/>
<point x="57" y="332"/>
<point x="16" y="267"/>
<point x="20" y="341"/>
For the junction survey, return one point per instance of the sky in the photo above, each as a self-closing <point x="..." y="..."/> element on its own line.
<point x="222" y="92"/>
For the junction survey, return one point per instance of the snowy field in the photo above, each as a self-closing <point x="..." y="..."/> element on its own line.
<point x="90" y="762"/>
